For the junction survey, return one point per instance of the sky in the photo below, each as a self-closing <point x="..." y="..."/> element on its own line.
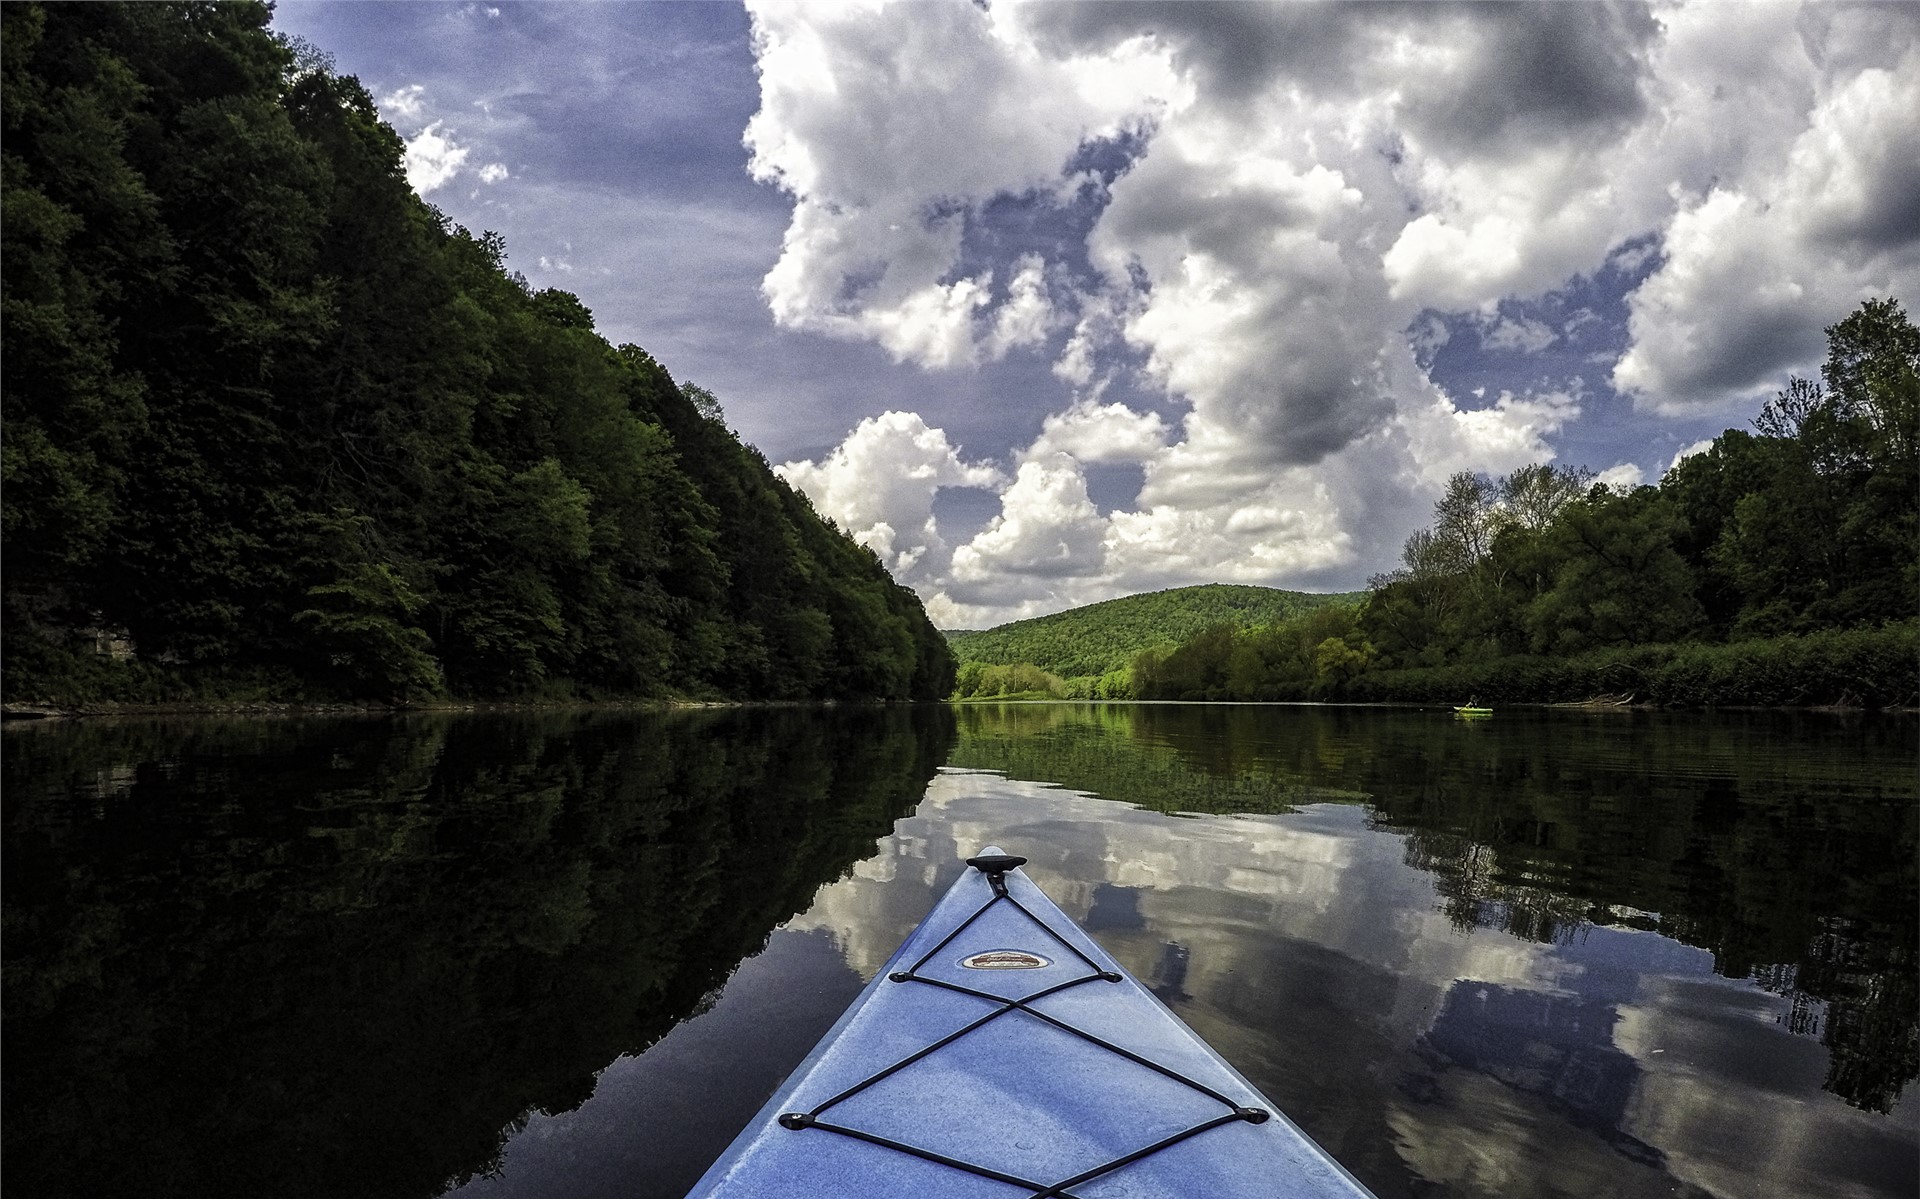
<point x="1050" y="303"/>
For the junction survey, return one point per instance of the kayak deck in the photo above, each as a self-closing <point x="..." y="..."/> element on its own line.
<point x="1001" y="1052"/>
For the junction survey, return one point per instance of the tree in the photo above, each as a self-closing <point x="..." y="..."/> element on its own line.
<point x="1532" y="497"/>
<point x="1336" y="663"/>
<point x="1466" y="518"/>
<point x="1619" y="582"/>
<point x="1705" y="489"/>
<point x="1824" y="529"/>
<point x="1872" y="372"/>
<point x="362" y="623"/>
<point x="704" y="402"/>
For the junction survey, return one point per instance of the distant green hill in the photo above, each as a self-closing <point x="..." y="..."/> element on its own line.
<point x="1106" y="636"/>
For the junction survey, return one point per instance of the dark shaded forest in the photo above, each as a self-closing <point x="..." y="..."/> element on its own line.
<point x="276" y="428"/>
<point x="1777" y="567"/>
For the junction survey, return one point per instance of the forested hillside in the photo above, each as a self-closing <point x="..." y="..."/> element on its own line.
<point x="276" y="427"/>
<point x="1103" y="639"/>
<point x="1777" y="567"/>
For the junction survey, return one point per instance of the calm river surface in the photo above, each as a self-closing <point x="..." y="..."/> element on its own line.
<point x="1550" y="953"/>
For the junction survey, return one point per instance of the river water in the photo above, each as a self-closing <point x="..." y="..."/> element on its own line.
<point x="1548" y="953"/>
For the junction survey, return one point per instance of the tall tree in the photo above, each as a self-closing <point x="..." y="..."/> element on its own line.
<point x="1619" y="581"/>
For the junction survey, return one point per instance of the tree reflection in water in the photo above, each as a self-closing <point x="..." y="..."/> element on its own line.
<point x="1795" y="867"/>
<point x="340" y="957"/>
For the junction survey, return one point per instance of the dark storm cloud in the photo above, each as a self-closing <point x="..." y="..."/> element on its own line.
<point x="1236" y="48"/>
<point x="1532" y="71"/>
<point x="1749" y="349"/>
<point x="1885" y="214"/>
<point x="1540" y="69"/>
<point x="1858" y="35"/>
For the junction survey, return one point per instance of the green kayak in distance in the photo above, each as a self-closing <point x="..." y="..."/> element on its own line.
<point x="1002" y="1054"/>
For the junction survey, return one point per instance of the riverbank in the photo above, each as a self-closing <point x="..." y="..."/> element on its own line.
<point x="1833" y="669"/>
<point x="17" y="713"/>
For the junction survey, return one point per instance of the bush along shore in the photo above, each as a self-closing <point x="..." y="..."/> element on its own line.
<point x="1851" y="668"/>
<point x="1836" y="668"/>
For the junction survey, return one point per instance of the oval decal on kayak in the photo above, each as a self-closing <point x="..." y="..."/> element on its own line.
<point x="1005" y="959"/>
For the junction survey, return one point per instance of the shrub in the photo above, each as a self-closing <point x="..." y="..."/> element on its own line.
<point x="1872" y="668"/>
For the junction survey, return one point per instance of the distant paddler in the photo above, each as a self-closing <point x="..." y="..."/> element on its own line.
<point x="1472" y="708"/>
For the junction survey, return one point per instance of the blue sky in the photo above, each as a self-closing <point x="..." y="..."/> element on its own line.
<point x="1050" y="303"/>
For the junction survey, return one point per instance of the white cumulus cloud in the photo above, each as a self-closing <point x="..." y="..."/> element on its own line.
<point x="1806" y="219"/>
<point x="433" y="158"/>
<point x="1204" y="513"/>
<point x="1024" y="319"/>
<point x="1687" y="451"/>
<point x="1522" y="334"/>
<point x="1306" y="190"/>
<point x="1621" y="477"/>
<point x="879" y="486"/>
<point x="889" y="125"/>
<point x="1093" y="432"/>
<point x="404" y="102"/>
<point x="1047" y="529"/>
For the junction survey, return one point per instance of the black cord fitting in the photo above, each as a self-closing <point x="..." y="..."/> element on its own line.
<point x="998" y="863"/>
<point x="995" y="867"/>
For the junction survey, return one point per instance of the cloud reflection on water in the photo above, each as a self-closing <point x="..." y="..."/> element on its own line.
<point x="1419" y="1051"/>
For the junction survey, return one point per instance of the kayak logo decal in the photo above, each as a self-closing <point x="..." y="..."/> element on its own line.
<point x="1005" y="959"/>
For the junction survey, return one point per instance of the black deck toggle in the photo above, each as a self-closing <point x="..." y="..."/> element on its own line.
<point x="998" y="863"/>
<point x="796" y="1120"/>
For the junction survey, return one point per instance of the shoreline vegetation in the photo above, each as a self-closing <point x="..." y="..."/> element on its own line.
<point x="278" y="431"/>
<point x="17" y="715"/>
<point x="1840" y="669"/>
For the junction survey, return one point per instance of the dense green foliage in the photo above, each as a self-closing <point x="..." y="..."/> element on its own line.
<point x="1024" y="680"/>
<point x="1291" y="659"/>
<point x="280" y="426"/>
<point x="306" y="957"/>
<point x="1775" y="567"/>
<point x="1083" y="644"/>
